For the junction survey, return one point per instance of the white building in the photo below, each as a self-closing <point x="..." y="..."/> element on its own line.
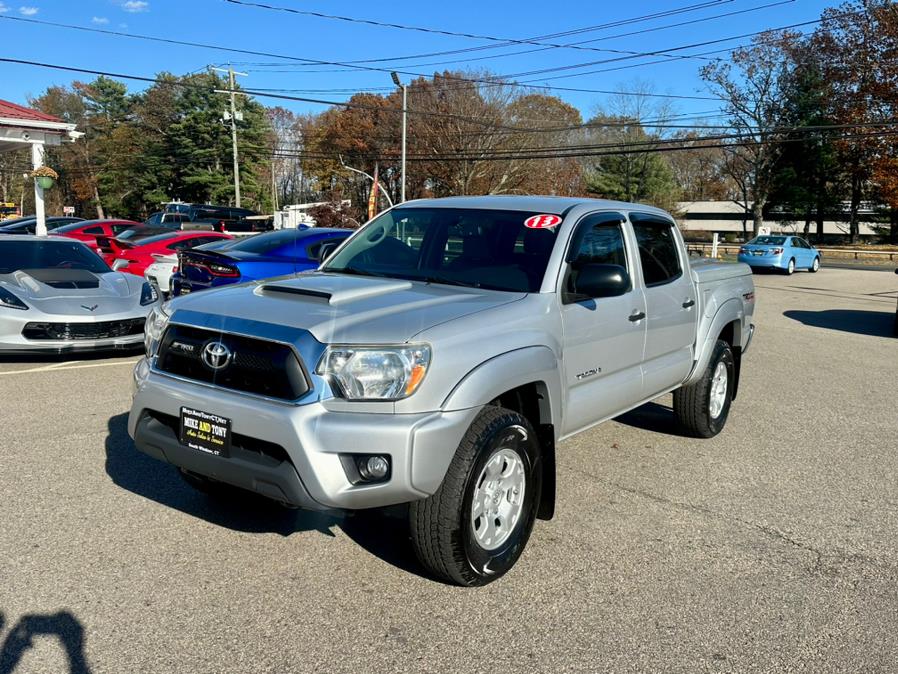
<point x="727" y="216"/>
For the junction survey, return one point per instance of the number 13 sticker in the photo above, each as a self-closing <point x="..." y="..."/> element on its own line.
<point x="542" y="221"/>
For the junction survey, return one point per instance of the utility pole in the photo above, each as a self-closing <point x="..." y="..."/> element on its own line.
<point x="234" y="117"/>
<point x="404" y="88"/>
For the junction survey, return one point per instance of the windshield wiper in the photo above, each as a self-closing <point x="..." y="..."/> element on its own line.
<point x="436" y="278"/>
<point x="355" y="271"/>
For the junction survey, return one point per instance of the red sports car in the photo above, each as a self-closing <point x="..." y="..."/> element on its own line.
<point x="87" y="231"/>
<point x="135" y="257"/>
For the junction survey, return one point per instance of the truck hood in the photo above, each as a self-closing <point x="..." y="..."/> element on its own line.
<point x="340" y="309"/>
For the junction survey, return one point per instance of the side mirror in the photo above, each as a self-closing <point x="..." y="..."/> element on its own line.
<point x="592" y="281"/>
<point x="326" y="249"/>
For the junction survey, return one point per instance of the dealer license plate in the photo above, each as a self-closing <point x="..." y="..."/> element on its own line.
<point x="205" y="432"/>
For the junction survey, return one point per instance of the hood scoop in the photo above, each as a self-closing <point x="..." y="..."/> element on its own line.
<point x="65" y="279"/>
<point x="336" y="290"/>
<point x="290" y="290"/>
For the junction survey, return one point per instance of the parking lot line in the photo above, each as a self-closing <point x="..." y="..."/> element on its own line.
<point x="74" y="365"/>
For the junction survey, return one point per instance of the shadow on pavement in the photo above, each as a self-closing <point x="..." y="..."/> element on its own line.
<point x="653" y="417"/>
<point x="873" y="323"/>
<point x="383" y="532"/>
<point x="63" y="625"/>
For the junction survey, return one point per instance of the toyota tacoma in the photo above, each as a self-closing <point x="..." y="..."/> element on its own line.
<point x="437" y="358"/>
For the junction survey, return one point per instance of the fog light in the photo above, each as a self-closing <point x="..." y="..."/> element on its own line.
<point x="373" y="467"/>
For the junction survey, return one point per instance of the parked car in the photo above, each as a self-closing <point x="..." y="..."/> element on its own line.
<point x="57" y="295"/>
<point x="165" y="267"/>
<point x="219" y="218"/>
<point x="168" y="220"/>
<point x="29" y="225"/>
<point x="87" y="231"/>
<point x="786" y="253"/>
<point x="134" y="258"/>
<point x="286" y="251"/>
<point x="436" y="358"/>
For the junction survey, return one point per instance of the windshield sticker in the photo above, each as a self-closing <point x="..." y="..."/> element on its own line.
<point x="542" y="221"/>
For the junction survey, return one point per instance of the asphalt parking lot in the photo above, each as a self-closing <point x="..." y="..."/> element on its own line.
<point x="769" y="548"/>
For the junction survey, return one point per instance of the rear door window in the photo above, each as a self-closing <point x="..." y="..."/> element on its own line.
<point x="658" y="251"/>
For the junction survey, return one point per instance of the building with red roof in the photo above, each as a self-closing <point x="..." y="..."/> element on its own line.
<point x="22" y="127"/>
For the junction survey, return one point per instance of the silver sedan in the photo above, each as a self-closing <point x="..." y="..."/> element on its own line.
<point x="57" y="295"/>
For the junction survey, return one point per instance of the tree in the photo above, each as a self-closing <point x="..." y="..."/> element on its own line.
<point x="806" y="170"/>
<point x="751" y="87"/>
<point x="628" y="166"/>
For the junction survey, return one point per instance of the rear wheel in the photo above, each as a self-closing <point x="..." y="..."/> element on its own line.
<point x="703" y="407"/>
<point x="816" y="266"/>
<point x="790" y="268"/>
<point x="474" y="528"/>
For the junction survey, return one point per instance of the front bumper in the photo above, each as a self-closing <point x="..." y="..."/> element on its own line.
<point x="291" y="453"/>
<point x="12" y="341"/>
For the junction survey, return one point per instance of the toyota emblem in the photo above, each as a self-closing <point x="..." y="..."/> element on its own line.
<point x="216" y="355"/>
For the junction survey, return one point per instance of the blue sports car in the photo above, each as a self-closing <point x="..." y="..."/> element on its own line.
<point x="278" y="253"/>
<point x="785" y="253"/>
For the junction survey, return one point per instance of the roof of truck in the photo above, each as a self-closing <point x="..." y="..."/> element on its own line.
<point x="532" y="204"/>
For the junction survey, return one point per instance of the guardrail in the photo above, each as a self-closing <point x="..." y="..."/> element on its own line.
<point x="732" y="248"/>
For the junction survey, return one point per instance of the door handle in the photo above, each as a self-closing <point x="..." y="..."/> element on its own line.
<point x="688" y="303"/>
<point x="635" y="318"/>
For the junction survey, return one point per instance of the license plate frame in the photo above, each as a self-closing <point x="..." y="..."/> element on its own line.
<point x="205" y="432"/>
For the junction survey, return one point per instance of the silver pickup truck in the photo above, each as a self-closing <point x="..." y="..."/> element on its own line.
<point x="436" y="359"/>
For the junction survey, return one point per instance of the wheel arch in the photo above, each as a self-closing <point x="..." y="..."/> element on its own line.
<point x="527" y="381"/>
<point x="726" y="325"/>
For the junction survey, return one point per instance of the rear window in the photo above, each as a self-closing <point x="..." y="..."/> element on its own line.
<point x="155" y="239"/>
<point x="70" y="227"/>
<point x="768" y="241"/>
<point x="265" y="243"/>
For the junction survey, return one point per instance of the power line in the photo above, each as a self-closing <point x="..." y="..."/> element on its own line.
<point x="501" y="41"/>
<point x="350" y="66"/>
<point x="261" y="94"/>
<point x="299" y="68"/>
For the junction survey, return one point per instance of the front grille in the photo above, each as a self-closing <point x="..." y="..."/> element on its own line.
<point x="83" y="331"/>
<point x="256" y="366"/>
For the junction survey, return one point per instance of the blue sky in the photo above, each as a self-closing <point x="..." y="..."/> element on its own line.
<point x="223" y="23"/>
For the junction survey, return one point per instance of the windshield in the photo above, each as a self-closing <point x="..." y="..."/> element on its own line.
<point x="768" y="241"/>
<point x="456" y="246"/>
<point x="16" y="255"/>
<point x="71" y="227"/>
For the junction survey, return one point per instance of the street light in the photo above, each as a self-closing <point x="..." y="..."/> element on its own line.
<point x="404" y="88"/>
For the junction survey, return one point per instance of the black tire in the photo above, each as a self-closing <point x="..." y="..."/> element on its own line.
<point x="815" y="265"/>
<point x="692" y="403"/>
<point x="441" y="527"/>
<point x="790" y="268"/>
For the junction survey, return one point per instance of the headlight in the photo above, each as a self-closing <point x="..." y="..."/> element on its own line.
<point x="157" y="321"/>
<point x="148" y="294"/>
<point x="10" y="301"/>
<point x="375" y="372"/>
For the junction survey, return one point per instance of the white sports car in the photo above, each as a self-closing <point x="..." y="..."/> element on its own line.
<point x="160" y="272"/>
<point x="57" y="295"/>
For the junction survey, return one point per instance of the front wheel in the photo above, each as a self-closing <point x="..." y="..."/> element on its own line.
<point x="473" y="529"/>
<point x="703" y="407"/>
<point x="816" y="266"/>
